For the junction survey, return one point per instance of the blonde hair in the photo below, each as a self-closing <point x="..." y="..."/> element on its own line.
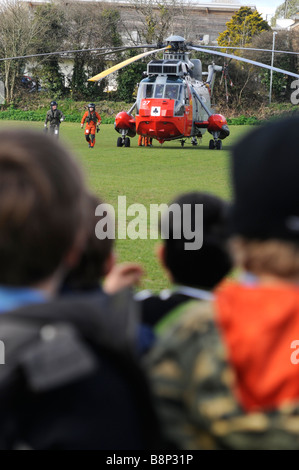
<point x="275" y="257"/>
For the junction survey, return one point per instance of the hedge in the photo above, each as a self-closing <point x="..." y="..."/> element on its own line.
<point x="20" y="115"/>
<point x="244" y="121"/>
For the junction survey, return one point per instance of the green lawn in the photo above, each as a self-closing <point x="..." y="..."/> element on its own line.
<point x="151" y="175"/>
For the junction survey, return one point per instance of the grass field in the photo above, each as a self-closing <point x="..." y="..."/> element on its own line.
<point x="151" y="175"/>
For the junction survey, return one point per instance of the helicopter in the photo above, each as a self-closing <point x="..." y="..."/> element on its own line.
<point x="174" y="101"/>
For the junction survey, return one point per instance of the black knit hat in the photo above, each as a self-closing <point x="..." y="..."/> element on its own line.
<point x="265" y="179"/>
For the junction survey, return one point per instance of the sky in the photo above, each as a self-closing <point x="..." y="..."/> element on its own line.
<point x="265" y="7"/>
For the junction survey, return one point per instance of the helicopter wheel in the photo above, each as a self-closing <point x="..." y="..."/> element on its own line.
<point x="119" y="142"/>
<point x="212" y="145"/>
<point x="127" y="142"/>
<point x="219" y="144"/>
<point x="182" y="143"/>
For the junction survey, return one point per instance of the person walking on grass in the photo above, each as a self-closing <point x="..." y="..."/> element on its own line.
<point x="93" y="121"/>
<point x="54" y="117"/>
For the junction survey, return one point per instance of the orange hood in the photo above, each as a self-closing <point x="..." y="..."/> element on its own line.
<point x="258" y="324"/>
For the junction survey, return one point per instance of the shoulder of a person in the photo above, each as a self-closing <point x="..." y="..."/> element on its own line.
<point x="195" y="316"/>
<point x="163" y="296"/>
<point x="143" y="295"/>
<point x="108" y="321"/>
<point x="57" y="342"/>
<point x="196" y="313"/>
<point x="151" y="301"/>
<point x="193" y="330"/>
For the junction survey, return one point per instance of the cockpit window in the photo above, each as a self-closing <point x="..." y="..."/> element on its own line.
<point x="146" y="90"/>
<point x="159" y="91"/>
<point x="155" y="90"/>
<point x="149" y="89"/>
<point x="171" y="92"/>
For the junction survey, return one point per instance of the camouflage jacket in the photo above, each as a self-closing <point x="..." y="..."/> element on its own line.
<point x="193" y="385"/>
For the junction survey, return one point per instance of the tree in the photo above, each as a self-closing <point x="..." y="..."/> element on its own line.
<point x="128" y="78"/>
<point x="286" y="41"/>
<point x="92" y="26"/>
<point x="242" y="28"/>
<point x="18" y="31"/>
<point x="155" y="19"/>
<point x="285" y="10"/>
<point x="52" y="20"/>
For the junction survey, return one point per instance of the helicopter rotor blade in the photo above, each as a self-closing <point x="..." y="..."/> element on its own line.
<point x="111" y="50"/>
<point x="124" y="63"/>
<point x="242" y="59"/>
<point x="250" y="49"/>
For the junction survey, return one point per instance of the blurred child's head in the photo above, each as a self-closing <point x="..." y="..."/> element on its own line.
<point x="265" y="211"/>
<point x="42" y="197"/>
<point x="204" y="267"/>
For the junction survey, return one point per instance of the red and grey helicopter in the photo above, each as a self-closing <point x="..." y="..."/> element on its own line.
<point x="174" y="101"/>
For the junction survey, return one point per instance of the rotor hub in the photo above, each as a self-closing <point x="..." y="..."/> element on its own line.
<point x="176" y="42"/>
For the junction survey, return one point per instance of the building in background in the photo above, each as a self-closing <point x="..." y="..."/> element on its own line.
<point x="197" y="21"/>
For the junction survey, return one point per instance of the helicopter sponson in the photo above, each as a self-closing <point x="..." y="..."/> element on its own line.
<point x="125" y="124"/>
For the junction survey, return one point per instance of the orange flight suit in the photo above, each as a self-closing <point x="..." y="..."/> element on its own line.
<point x="144" y="141"/>
<point x="92" y="120"/>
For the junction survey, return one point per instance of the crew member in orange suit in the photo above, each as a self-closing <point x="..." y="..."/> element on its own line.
<point x="145" y="141"/>
<point x="93" y="120"/>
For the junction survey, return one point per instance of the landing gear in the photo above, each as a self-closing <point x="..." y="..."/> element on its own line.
<point x="215" y="143"/>
<point x="183" y="142"/>
<point x="194" y="141"/>
<point x="123" y="141"/>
